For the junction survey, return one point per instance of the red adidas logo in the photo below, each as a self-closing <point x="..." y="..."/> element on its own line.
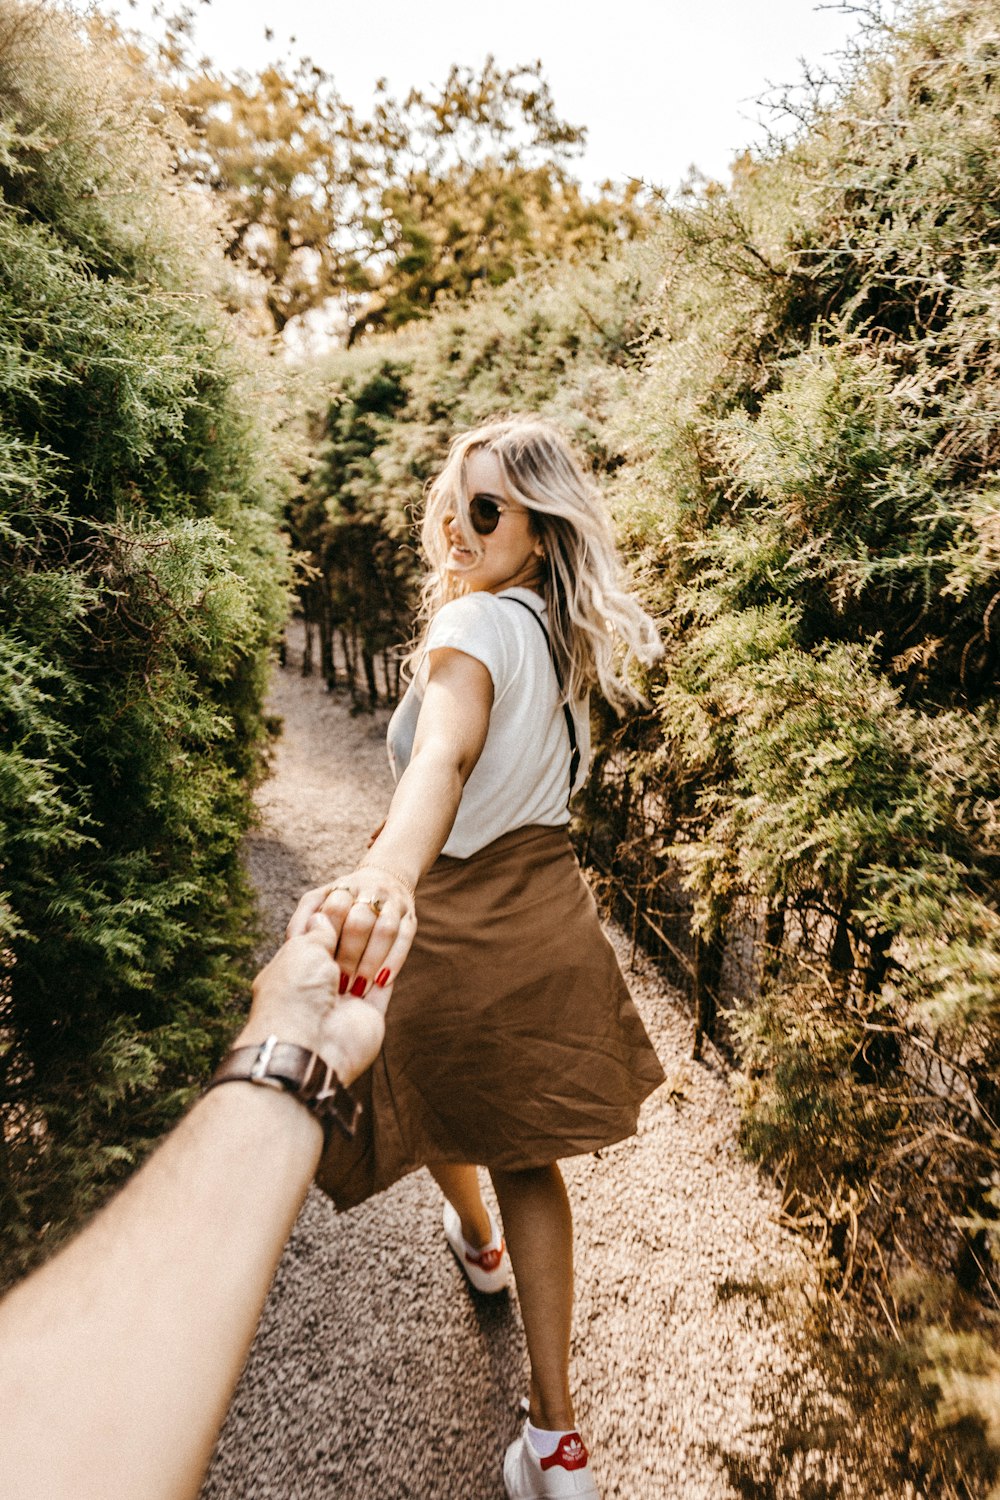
<point x="571" y="1454"/>
<point x="488" y="1260"/>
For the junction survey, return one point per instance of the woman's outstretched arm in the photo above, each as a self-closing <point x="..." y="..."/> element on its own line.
<point x="450" y="735"/>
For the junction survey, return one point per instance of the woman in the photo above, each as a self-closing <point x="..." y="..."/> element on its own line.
<point x="511" y="1040"/>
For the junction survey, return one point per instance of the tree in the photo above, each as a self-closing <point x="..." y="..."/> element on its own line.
<point x="280" y="151"/>
<point x="378" y="219"/>
<point x="480" y="223"/>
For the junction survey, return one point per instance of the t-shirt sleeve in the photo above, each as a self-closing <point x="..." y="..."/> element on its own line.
<point x="474" y="624"/>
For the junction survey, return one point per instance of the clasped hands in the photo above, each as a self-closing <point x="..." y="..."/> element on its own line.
<point x="372" y="911"/>
<point x="349" y="935"/>
<point x="328" y="986"/>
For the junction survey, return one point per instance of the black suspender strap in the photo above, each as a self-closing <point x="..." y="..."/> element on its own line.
<point x="574" y="749"/>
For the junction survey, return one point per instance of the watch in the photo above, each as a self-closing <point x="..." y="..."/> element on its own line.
<point x="286" y="1065"/>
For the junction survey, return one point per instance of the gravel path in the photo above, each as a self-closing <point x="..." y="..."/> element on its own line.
<point x="377" y="1376"/>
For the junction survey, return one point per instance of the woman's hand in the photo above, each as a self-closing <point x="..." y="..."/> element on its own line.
<point x="372" y="911"/>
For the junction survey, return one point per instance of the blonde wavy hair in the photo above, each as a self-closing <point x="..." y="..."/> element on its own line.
<point x="597" y="628"/>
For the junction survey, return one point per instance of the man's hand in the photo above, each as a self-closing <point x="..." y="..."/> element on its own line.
<point x="295" y="997"/>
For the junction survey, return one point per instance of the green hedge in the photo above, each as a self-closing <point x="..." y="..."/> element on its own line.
<point x="143" y="589"/>
<point x="819" y="434"/>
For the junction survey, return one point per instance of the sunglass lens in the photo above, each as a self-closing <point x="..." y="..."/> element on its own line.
<point x="484" y="514"/>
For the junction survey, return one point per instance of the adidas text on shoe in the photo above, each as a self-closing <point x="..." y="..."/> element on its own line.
<point x="488" y="1270"/>
<point x="566" y="1475"/>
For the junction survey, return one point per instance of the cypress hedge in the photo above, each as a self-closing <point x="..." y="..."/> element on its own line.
<point x="813" y="487"/>
<point x="143" y="586"/>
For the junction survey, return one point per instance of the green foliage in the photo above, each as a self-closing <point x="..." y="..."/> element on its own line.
<point x="278" y="150"/>
<point x="443" y="233"/>
<point x="358" y="581"/>
<point x="142" y="592"/>
<point x="812" y="488"/>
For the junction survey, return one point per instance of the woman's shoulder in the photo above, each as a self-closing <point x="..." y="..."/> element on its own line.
<point x="490" y="627"/>
<point x="466" y="607"/>
<point x="480" y="611"/>
<point x="472" y="624"/>
<point x="469" y="616"/>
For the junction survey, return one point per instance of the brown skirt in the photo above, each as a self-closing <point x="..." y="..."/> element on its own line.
<point x="511" y="1039"/>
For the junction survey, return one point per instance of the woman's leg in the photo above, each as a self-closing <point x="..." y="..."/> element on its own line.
<point x="538" y="1227"/>
<point x="460" y="1186"/>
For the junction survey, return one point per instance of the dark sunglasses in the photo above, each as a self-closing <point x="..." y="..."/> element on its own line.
<point x="485" y="514"/>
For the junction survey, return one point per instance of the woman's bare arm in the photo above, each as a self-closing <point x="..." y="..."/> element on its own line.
<point x="450" y="735"/>
<point x="451" y="732"/>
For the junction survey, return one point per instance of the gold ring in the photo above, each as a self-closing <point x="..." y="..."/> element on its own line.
<point x="335" y="888"/>
<point x="372" y="902"/>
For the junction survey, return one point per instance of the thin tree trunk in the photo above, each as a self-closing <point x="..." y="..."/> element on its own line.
<point x="347" y="642"/>
<point x="624" y="809"/>
<point x="975" y="1258"/>
<point x="328" y="666"/>
<point x="707" y="970"/>
<point x="368" y="661"/>
<point x="774" y="937"/>
<point x="841" y="955"/>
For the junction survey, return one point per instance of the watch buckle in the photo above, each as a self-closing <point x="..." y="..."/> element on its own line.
<point x="261" y="1063"/>
<point x="334" y="1102"/>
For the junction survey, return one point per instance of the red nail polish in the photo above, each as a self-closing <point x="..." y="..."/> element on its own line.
<point x="345" y="980"/>
<point x="359" y="986"/>
<point x="382" y="978"/>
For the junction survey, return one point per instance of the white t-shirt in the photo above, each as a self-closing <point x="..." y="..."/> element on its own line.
<point x="522" y="776"/>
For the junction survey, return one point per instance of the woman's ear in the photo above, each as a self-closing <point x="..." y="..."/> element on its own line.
<point x="538" y="550"/>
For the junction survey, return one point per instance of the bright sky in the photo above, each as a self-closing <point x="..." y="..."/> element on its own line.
<point x="660" y="86"/>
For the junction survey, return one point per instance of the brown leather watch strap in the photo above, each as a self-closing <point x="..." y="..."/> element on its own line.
<point x="286" y="1065"/>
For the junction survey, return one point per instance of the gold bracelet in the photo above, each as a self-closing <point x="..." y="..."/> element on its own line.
<point x="395" y="875"/>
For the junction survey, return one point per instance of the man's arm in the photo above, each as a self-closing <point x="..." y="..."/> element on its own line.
<point x="119" y="1357"/>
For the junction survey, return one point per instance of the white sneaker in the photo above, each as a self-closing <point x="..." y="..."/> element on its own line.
<point x="567" y="1475"/>
<point x="488" y="1269"/>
